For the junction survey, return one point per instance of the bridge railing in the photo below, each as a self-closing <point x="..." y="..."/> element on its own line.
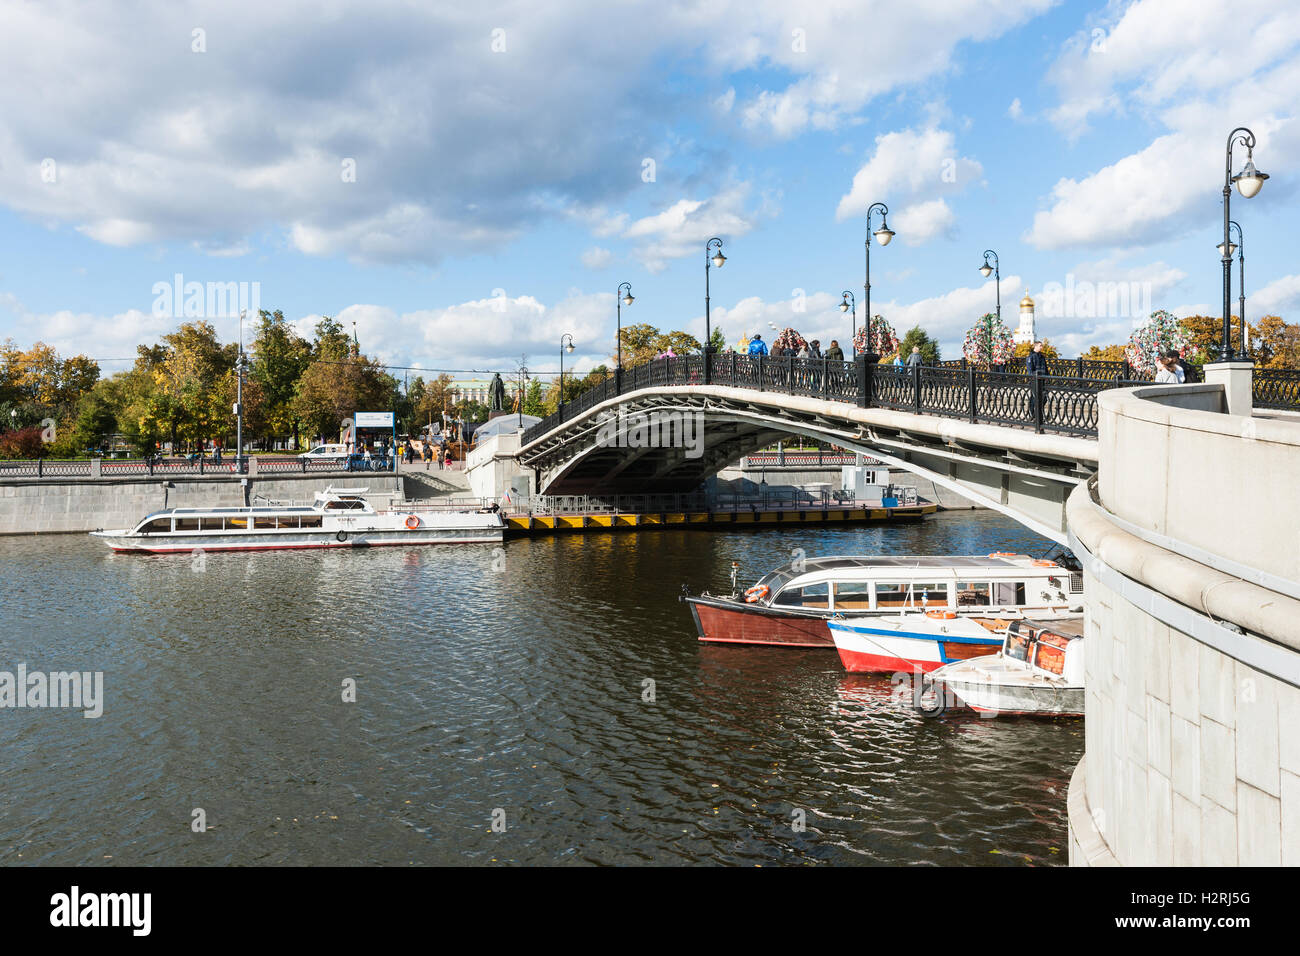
<point x="1276" y="388"/>
<point x="1064" y="401"/>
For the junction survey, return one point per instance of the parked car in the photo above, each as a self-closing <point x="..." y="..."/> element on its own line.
<point x="326" y="453"/>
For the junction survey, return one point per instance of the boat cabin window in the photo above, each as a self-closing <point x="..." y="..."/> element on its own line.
<point x="810" y="595"/>
<point x="157" y="526"/>
<point x="344" y="505"/>
<point x="264" y="521"/>
<point x="187" y="524"/>
<point x="236" y="524"/>
<point x="909" y="594"/>
<point x="1049" y="652"/>
<point x="1017" y="647"/>
<point x="311" y="521"/>
<point x="973" y="593"/>
<point x="1008" y="592"/>
<point x="852" y="595"/>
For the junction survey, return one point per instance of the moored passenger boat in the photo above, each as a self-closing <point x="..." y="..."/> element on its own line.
<point x="337" y="518"/>
<point x="1039" y="670"/>
<point x="941" y="597"/>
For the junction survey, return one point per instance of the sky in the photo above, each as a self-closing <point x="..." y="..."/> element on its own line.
<point x="469" y="182"/>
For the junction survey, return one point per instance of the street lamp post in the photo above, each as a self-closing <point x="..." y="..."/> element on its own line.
<point x="1249" y="181"/>
<point x="563" y="349"/>
<point x="884" y="234"/>
<point x="717" y="259"/>
<point x="620" y="300"/>
<point x="1240" y="249"/>
<point x="850" y="303"/>
<point x="997" y="276"/>
<point x="239" y="401"/>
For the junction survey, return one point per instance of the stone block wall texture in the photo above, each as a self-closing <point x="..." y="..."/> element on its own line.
<point x="1192" y="758"/>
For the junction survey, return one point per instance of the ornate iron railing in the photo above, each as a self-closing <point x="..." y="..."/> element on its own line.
<point x="1276" y="388"/>
<point x="1064" y="401"/>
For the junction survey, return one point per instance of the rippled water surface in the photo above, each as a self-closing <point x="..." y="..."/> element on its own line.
<point x="483" y="684"/>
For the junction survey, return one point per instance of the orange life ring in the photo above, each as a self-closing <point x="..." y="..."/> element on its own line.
<point x="1003" y="554"/>
<point x="412" y="522"/>
<point x="1045" y="564"/>
<point x="756" y="594"/>
<point x="941" y="615"/>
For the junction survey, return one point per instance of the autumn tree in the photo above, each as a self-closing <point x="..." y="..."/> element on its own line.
<point x="279" y="357"/>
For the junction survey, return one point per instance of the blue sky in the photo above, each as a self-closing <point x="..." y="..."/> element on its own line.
<point x="469" y="185"/>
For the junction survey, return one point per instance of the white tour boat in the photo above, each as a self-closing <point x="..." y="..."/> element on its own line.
<point x="886" y="613"/>
<point x="337" y="518"/>
<point x="1038" y="671"/>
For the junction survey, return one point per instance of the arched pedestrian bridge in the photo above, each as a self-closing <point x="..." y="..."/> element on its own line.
<point x="1014" y="442"/>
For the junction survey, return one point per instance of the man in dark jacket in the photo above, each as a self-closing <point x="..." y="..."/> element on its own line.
<point x="835" y="353"/>
<point x="1035" y="364"/>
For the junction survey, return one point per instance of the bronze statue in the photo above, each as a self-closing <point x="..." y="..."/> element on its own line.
<point x="497" y="393"/>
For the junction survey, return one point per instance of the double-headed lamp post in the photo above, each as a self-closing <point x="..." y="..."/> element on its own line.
<point x="621" y="300"/>
<point x="1239" y="247"/>
<point x="563" y="348"/>
<point x="883" y="234"/>
<point x="845" y="305"/>
<point x="997" y="276"/>
<point x="1249" y="181"/>
<point x="717" y="259"/>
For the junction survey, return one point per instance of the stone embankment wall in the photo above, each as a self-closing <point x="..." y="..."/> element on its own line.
<point x="1190" y="541"/>
<point x="49" y="505"/>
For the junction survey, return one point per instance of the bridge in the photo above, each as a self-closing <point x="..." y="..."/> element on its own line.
<point x="1014" y="442"/>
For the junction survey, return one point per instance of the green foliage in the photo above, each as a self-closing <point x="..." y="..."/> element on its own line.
<point x="916" y="336"/>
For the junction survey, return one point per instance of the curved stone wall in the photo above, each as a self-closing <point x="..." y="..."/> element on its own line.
<point x="1193" y="636"/>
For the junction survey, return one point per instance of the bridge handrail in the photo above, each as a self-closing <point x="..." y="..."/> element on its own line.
<point x="1061" y="404"/>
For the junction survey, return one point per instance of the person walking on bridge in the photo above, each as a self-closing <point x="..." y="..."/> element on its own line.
<point x="914" y="360"/>
<point x="835" y="353"/>
<point x="757" y="346"/>
<point x="1035" y="364"/>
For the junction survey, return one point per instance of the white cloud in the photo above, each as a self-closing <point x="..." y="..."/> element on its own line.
<point x="684" y="227"/>
<point x="1279" y="297"/>
<point x="912" y="166"/>
<point x="834" y="75"/>
<point x="1015" y="110"/>
<point x="597" y="258"/>
<point x="1198" y="82"/>
<point x="923" y="221"/>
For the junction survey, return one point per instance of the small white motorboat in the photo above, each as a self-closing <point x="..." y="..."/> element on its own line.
<point x="337" y="518"/>
<point x="1038" y="671"/>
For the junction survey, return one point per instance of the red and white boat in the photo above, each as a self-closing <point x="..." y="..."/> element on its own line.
<point x="943" y="597"/>
<point x="337" y="518"/>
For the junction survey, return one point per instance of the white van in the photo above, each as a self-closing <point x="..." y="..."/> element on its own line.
<point x="323" y="452"/>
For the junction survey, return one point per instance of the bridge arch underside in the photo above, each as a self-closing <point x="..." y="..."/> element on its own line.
<point x="671" y="440"/>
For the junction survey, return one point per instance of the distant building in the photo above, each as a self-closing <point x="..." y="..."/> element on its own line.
<point x="1026" y="332"/>
<point x="477" y="390"/>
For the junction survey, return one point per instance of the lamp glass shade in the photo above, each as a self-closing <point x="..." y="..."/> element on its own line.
<point x="1249" y="180"/>
<point x="844" y="306"/>
<point x="627" y="299"/>
<point x="884" y="234"/>
<point x="719" y="258"/>
<point x="986" y="270"/>
<point x="569" y="348"/>
<point x="1232" y="247"/>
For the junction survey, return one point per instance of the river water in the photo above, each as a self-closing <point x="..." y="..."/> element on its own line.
<point x="492" y="686"/>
